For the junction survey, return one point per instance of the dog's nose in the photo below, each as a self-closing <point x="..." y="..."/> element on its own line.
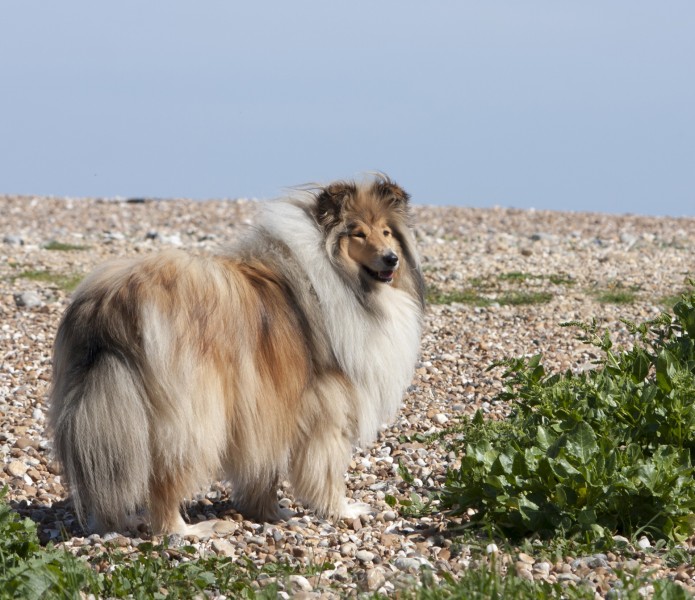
<point x="390" y="259"/>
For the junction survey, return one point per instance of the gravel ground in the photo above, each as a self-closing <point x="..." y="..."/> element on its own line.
<point x="575" y="257"/>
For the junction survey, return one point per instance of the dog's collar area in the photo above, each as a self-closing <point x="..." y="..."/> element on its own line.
<point x="382" y="276"/>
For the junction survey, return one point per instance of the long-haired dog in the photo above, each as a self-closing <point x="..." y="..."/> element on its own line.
<point x="269" y="362"/>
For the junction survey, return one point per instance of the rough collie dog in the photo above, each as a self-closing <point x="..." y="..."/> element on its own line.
<point x="265" y="363"/>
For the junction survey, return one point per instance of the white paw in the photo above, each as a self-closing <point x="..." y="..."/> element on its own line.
<point x="354" y="510"/>
<point x="203" y="529"/>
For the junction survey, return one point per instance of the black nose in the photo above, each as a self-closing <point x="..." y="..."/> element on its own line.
<point x="390" y="259"/>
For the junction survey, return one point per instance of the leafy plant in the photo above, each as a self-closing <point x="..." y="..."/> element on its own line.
<point x="158" y="572"/>
<point x="29" y="571"/>
<point x="486" y="583"/>
<point x="606" y="450"/>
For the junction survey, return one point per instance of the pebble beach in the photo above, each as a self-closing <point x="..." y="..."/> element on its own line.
<point x="567" y="266"/>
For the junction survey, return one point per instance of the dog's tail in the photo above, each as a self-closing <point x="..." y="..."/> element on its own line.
<point x="98" y="415"/>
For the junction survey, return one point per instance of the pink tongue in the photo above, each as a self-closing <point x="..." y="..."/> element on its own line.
<point x="385" y="274"/>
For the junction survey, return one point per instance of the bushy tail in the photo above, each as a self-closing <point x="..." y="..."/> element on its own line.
<point x="99" y="419"/>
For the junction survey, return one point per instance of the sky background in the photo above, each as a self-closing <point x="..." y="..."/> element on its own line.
<point x="547" y="104"/>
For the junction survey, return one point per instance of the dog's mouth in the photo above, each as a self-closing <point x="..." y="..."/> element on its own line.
<point x="381" y="276"/>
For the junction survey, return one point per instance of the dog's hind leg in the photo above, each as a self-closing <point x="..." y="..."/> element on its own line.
<point x="254" y="495"/>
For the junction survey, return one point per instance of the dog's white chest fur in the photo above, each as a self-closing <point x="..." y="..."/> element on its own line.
<point x="376" y="349"/>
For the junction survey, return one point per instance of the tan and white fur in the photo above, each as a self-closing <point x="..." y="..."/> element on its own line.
<point x="269" y="362"/>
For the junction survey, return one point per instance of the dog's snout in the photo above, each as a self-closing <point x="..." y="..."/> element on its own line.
<point x="390" y="259"/>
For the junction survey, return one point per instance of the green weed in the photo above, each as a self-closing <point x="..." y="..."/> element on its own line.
<point x="436" y="296"/>
<point x="593" y="453"/>
<point x="519" y="277"/>
<point x="66" y="282"/>
<point x="63" y="247"/>
<point x="29" y="571"/>
<point x="524" y="298"/>
<point x="617" y="296"/>
<point x="486" y="583"/>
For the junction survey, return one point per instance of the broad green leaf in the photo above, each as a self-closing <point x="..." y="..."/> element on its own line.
<point x="664" y="370"/>
<point x="640" y="366"/>
<point x="581" y="443"/>
<point x="685" y="311"/>
<point x="543" y="438"/>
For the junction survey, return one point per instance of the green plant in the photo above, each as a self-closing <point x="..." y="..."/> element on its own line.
<point x="156" y="571"/>
<point x="436" y="296"/>
<point x="520" y="277"/>
<point x="29" y="571"/>
<point x="523" y="298"/>
<point x="617" y="296"/>
<point x="487" y="583"/>
<point x="66" y="282"/>
<point x="63" y="247"/>
<point x="587" y="454"/>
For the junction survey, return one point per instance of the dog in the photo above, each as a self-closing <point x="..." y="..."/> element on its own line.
<point x="267" y="362"/>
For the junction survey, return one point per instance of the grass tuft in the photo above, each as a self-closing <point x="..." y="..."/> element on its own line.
<point x="617" y="297"/>
<point x="524" y="298"/>
<point x="436" y="296"/>
<point x="63" y="281"/>
<point x="63" y="247"/>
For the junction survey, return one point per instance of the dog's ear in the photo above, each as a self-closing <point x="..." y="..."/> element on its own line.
<point x="331" y="201"/>
<point x="392" y="193"/>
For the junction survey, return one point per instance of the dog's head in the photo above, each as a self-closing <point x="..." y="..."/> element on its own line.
<point x="366" y="225"/>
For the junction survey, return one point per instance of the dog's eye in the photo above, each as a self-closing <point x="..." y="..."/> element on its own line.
<point x="387" y="232"/>
<point x="359" y="234"/>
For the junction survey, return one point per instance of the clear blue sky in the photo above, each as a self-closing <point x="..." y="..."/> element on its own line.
<point x="555" y="104"/>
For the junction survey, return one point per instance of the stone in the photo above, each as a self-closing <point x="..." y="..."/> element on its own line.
<point x="225" y="527"/>
<point x="644" y="543"/>
<point x="16" y="468"/>
<point x="364" y="556"/>
<point x="568" y="577"/>
<point x="27" y="299"/>
<point x="374" y="579"/>
<point x="407" y="564"/>
<point x="300" y="583"/>
<point x="223" y="548"/>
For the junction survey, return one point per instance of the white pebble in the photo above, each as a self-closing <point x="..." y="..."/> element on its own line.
<point x="364" y="556"/>
<point x="301" y="582"/>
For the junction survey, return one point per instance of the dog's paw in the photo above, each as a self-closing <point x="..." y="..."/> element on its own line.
<point x="206" y="529"/>
<point x="355" y="509"/>
<point x="285" y="514"/>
